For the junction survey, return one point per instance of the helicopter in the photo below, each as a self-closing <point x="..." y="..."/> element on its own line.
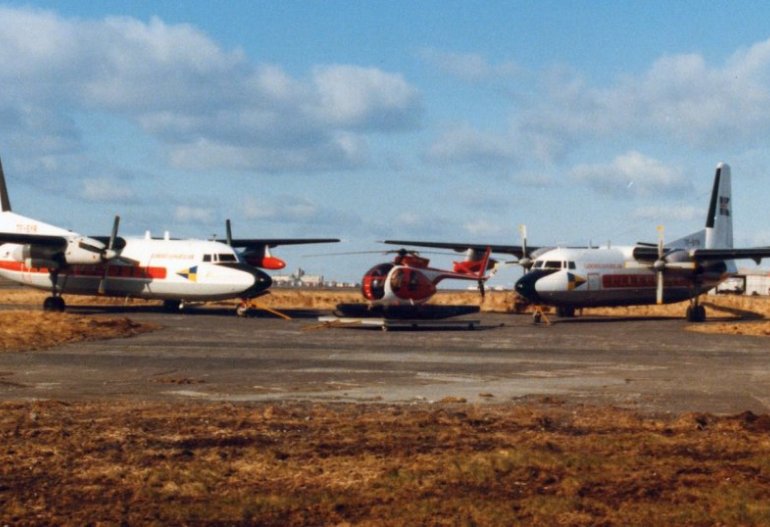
<point x="402" y="287"/>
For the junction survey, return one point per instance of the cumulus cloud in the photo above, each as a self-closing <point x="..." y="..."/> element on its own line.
<point x="632" y="175"/>
<point x="183" y="89"/>
<point x="680" y="99"/>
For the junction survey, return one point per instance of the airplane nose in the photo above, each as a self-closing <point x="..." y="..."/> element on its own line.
<point x="262" y="280"/>
<point x="525" y="286"/>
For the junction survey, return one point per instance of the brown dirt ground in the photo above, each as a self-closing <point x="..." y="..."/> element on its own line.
<point x="33" y="329"/>
<point x="541" y="463"/>
<point x="294" y="464"/>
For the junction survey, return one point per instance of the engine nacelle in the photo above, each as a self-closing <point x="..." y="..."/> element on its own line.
<point x="76" y="254"/>
<point x="265" y="262"/>
<point x="34" y="256"/>
<point x="50" y="256"/>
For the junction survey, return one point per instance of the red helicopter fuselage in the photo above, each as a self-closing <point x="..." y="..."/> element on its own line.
<point x="409" y="280"/>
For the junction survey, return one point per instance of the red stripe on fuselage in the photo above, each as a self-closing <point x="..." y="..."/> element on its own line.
<point x="636" y="281"/>
<point x="113" y="271"/>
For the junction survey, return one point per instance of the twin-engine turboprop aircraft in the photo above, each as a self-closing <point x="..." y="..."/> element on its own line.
<point x="47" y="257"/>
<point x="644" y="273"/>
<point x="570" y="278"/>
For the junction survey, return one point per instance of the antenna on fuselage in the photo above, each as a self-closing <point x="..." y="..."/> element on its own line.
<point x="5" y="203"/>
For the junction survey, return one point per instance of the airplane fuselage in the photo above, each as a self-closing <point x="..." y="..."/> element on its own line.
<point x="194" y="270"/>
<point x="608" y="276"/>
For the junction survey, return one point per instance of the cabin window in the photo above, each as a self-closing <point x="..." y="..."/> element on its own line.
<point x="570" y="265"/>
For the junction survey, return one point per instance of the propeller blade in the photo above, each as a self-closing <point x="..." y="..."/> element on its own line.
<point x="114" y="234"/>
<point x="108" y="254"/>
<point x="659" y="289"/>
<point x="229" y="232"/>
<point x="482" y="289"/>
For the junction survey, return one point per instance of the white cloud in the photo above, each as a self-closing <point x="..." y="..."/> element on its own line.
<point x="365" y="98"/>
<point x="183" y="89"/>
<point x="681" y="100"/>
<point x="466" y="145"/>
<point x="631" y="175"/>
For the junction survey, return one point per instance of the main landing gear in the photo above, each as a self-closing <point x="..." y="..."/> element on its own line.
<point x="695" y="312"/>
<point x="54" y="303"/>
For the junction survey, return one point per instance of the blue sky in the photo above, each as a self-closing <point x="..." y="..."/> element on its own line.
<point x="452" y="121"/>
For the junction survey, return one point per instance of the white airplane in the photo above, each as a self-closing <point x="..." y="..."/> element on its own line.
<point x="569" y="278"/>
<point x="54" y="259"/>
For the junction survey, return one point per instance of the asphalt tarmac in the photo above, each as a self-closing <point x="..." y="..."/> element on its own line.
<point x="652" y="365"/>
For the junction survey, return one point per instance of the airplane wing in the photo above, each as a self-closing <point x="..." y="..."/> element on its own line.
<point x="515" y="250"/>
<point x="46" y="240"/>
<point x="753" y="253"/>
<point x="275" y="242"/>
<point x="650" y="254"/>
<point x="54" y="241"/>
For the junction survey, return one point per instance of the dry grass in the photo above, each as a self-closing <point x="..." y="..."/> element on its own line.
<point x="305" y="464"/>
<point x="29" y="330"/>
<point x="125" y="463"/>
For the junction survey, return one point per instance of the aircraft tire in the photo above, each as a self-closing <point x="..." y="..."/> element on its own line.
<point x="696" y="314"/>
<point x="54" y="304"/>
<point x="565" y="312"/>
<point x="171" y="306"/>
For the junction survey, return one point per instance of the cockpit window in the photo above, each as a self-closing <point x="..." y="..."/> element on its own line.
<point x="570" y="265"/>
<point x="552" y="265"/>
<point x="206" y="257"/>
<point x="227" y="258"/>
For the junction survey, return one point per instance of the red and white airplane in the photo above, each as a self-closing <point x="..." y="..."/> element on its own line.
<point x="644" y="273"/>
<point x="54" y="259"/>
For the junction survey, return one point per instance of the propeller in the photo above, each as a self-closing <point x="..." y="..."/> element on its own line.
<point x="228" y="232"/>
<point x="663" y="263"/>
<point x="659" y="266"/>
<point x="525" y="261"/>
<point x="108" y="254"/>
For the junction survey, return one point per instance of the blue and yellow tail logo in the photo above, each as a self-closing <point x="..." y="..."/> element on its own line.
<point x="191" y="274"/>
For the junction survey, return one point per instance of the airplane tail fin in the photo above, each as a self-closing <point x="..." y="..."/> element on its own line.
<point x="719" y="222"/>
<point x="718" y="233"/>
<point x="5" y="202"/>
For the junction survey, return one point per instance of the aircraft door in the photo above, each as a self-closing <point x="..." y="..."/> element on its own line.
<point x="594" y="281"/>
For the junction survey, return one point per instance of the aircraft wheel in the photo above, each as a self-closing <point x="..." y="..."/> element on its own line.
<point x="696" y="314"/>
<point x="565" y="311"/>
<point x="242" y="310"/>
<point x="54" y="304"/>
<point x="171" y="306"/>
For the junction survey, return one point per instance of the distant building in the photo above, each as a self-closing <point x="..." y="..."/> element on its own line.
<point x="298" y="279"/>
<point x="750" y="282"/>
